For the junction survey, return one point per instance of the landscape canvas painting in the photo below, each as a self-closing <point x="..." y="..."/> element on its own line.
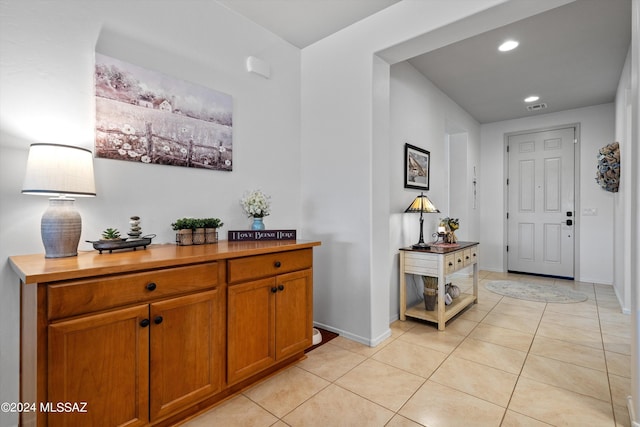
<point x="148" y="117"/>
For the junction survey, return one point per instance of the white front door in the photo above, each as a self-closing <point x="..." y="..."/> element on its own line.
<point x="541" y="217"/>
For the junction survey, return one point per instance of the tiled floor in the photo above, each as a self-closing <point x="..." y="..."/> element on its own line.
<point x="503" y="362"/>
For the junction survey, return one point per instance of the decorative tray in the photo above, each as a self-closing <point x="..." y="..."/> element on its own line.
<point x="111" y="245"/>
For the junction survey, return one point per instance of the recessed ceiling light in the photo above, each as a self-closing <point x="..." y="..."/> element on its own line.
<point x="531" y="98"/>
<point x="508" y="45"/>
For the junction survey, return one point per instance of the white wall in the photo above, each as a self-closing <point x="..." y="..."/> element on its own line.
<point x="623" y="218"/>
<point x="46" y="87"/>
<point x="342" y="95"/>
<point x="422" y="115"/>
<point x="341" y="133"/>
<point x="633" y="210"/>
<point x="596" y="130"/>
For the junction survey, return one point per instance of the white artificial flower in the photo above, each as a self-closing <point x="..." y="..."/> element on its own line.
<point x="256" y="204"/>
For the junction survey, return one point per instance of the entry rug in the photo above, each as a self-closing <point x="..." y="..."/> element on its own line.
<point x="535" y="292"/>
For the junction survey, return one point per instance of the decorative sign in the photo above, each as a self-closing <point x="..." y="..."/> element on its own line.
<point x="255" y="235"/>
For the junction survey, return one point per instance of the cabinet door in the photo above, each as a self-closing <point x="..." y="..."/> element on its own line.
<point x="186" y="350"/>
<point x="294" y="313"/>
<point x="103" y="360"/>
<point x="250" y="328"/>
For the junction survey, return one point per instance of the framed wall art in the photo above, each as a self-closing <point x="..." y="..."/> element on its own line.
<point x="416" y="167"/>
<point x="148" y="117"/>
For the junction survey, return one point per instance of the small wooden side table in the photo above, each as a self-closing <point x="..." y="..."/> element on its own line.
<point x="438" y="261"/>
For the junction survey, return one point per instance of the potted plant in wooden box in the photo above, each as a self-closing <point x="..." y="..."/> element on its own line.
<point x="198" y="231"/>
<point x="184" y="228"/>
<point x="211" y="226"/>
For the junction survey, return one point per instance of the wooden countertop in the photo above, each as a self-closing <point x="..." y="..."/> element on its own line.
<point x="38" y="269"/>
<point x="442" y="248"/>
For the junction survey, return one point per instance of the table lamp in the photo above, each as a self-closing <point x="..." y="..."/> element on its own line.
<point x="421" y="204"/>
<point x="60" y="171"/>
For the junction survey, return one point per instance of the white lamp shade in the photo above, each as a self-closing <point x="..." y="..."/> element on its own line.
<point x="54" y="169"/>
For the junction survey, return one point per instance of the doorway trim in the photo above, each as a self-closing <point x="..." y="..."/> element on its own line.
<point x="576" y="186"/>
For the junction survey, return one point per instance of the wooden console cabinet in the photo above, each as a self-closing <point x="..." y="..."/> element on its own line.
<point x="152" y="336"/>
<point x="270" y="301"/>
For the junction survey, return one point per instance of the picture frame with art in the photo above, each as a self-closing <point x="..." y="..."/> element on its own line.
<point x="148" y="117"/>
<point x="416" y="167"/>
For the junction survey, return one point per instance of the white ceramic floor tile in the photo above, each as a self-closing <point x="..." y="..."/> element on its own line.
<point x="502" y="363"/>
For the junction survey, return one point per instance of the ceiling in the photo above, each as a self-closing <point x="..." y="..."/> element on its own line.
<point x="570" y="56"/>
<point x="304" y="22"/>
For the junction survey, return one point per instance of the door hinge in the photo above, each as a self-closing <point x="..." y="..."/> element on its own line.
<point x="507" y="148"/>
<point x="507" y="181"/>
<point x="507" y="215"/>
<point x="507" y="248"/>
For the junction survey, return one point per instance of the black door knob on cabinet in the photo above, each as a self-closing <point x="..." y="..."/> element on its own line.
<point x="274" y="289"/>
<point x="158" y="320"/>
<point x="281" y="287"/>
<point x="277" y="264"/>
<point x="144" y="323"/>
<point x="151" y="286"/>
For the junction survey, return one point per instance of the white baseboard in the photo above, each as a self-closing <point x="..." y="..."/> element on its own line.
<point x="357" y="338"/>
<point x="632" y="412"/>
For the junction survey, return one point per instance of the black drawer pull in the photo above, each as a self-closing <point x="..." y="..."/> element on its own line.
<point x="459" y="260"/>
<point x="281" y="287"/>
<point x="277" y="264"/>
<point x="450" y="264"/>
<point x="274" y="289"/>
<point x="158" y="320"/>
<point x="151" y="286"/>
<point x="467" y="257"/>
<point x="144" y="323"/>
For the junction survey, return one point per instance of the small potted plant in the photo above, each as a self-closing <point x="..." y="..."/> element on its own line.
<point x="198" y="231"/>
<point x="211" y="226"/>
<point x="451" y="225"/>
<point x="111" y="234"/>
<point x="184" y="228"/>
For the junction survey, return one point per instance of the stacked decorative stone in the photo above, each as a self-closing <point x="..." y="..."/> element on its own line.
<point x="135" y="231"/>
<point x="608" y="175"/>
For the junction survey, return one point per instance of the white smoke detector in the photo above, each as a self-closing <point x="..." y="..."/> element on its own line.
<point x="537" y="107"/>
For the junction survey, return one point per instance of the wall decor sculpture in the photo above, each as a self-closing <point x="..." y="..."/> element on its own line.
<point x="608" y="175"/>
<point x="148" y="117"/>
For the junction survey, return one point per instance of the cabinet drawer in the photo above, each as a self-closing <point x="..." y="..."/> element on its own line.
<point x="78" y="297"/>
<point x="255" y="267"/>
<point x="450" y="264"/>
<point x="423" y="264"/>
<point x="467" y="260"/>
<point x="474" y="255"/>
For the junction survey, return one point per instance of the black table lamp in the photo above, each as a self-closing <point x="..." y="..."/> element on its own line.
<point x="421" y="204"/>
